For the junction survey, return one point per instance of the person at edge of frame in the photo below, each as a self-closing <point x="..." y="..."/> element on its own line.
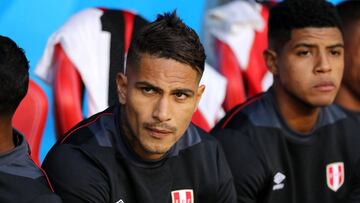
<point x="291" y="144"/>
<point x="21" y="180"/>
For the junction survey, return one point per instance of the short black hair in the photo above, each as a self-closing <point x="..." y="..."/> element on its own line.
<point x="168" y="37"/>
<point x="296" y="14"/>
<point x="14" y="75"/>
<point x="349" y="12"/>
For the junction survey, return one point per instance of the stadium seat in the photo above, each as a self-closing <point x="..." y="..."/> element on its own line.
<point x="84" y="55"/>
<point x="30" y="118"/>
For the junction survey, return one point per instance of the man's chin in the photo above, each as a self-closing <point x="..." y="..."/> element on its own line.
<point x="322" y="101"/>
<point x="156" y="150"/>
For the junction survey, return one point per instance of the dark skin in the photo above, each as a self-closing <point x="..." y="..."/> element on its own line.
<point x="307" y="73"/>
<point x="6" y="134"/>
<point x="298" y="115"/>
<point x="349" y="93"/>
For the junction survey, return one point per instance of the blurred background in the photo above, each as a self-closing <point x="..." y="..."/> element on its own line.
<point x="30" y="24"/>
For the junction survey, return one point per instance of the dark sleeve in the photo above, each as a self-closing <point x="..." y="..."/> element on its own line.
<point x="247" y="167"/>
<point x="46" y="199"/>
<point x="354" y="196"/>
<point x="226" y="191"/>
<point x="75" y="177"/>
<point x="351" y="133"/>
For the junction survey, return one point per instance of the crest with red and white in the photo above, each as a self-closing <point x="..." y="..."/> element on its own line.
<point x="335" y="175"/>
<point x="182" y="196"/>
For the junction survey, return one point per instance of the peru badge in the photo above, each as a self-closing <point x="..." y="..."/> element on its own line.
<point x="182" y="196"/>
<point x="335" y="175"/>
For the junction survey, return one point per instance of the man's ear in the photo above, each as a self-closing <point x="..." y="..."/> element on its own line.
<point x="121" y="83"/>
<point x="198" y="95"/>
<point x="270" y="58"/>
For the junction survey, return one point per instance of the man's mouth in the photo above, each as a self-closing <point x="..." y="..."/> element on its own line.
<point x="158" y="133"/>
<point x="160" y="130"/>
<point x="325" y="86"/>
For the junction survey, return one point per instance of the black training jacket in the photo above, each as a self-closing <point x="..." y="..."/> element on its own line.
<point x="273" y="164"/>
<point x="21" y="181"/>
<point x="94" y="164"/>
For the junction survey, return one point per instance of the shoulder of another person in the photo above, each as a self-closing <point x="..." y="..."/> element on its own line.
<point x="46" y="198"/>
<point x="206" y="138"/>
<point x="96" y="130"/>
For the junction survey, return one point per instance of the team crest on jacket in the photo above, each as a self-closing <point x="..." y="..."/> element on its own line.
<point x="182" y="196"/>
<point x="335" y="175"/>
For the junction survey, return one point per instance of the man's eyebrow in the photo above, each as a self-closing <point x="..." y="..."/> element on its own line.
<point x="158" y="89"/>
<point x="307" y="45"/>
<point x="147" y="84"/>
<point x="336" y="46"/>
<point x="184" y="90"/>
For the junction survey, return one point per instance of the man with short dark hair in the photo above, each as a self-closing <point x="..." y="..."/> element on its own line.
<point x="145" y="149"/>
<point x="20" y="179"/>
<point x="349" y="92"/>
<point x="290" y="144"/>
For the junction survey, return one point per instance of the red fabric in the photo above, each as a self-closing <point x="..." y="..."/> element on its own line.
<point x="242" y="84"/>
<point x="199" y="120"/>
<point x="67" y="90"/>
<point x="30" y="118"/>
<point x="230" y="69"/>
<point x="256" y="68"/>
<point x="129" y="27"/>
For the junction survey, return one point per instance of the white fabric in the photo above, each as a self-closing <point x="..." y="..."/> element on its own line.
<point x="88" y="47"/>
<point x="235" y="24"/>
<point x="212" y="99"/>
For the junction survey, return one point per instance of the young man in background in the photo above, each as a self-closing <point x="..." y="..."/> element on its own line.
<point x="290" y="144"/>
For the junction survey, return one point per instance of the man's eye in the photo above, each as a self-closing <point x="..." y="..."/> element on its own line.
<point x="147" y="90"/>
<point x="335" y="52"/>
<point x="303" y="53"/>
<point x="180" y="95"/>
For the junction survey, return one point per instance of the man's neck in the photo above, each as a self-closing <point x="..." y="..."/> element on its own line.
<point x="347" y="99"/>
<point x="299" y="116"/>
<point x="6" y="135"/>
<point x="133" y="141"/>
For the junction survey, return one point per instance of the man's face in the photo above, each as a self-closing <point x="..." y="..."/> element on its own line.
<point x="351" y="78"/>
<point x="310" y="65"/>
<point x="159" y="97"/>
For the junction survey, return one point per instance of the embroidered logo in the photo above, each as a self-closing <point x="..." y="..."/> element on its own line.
<point x="278" y="180"/>
<point x="182" y="196"/>
<point x="335" y="175"/>
<point x="120" y="201"/>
